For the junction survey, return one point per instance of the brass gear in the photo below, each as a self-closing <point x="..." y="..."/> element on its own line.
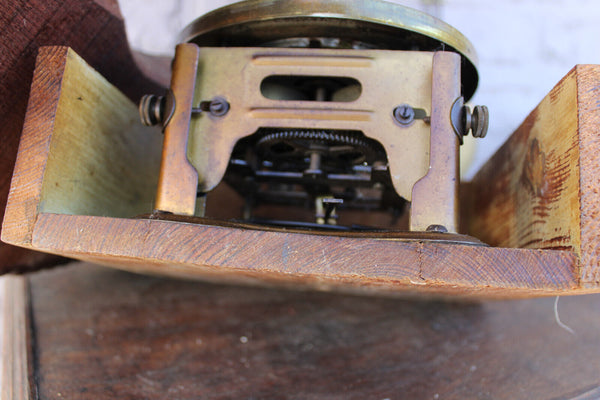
<point x="351" y="146"/>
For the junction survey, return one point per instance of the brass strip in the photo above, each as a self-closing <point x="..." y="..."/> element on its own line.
<point x="310" y="61"/>
<point x="178" y="180"/>
<point x="388" y="235"/>
<point x="396" y="77"/>
<point x="435" y="196"/>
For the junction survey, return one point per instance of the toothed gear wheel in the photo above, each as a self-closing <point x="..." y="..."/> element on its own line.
<point x="345" y="146"/>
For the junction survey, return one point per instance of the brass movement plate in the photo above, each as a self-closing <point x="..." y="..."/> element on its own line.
<point x="379" y="234"/>
<point x="380" y="24"/>
<point x="387" y="78"/>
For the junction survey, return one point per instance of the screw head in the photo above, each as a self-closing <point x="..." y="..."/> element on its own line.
<point x="437" y="228"/>
<point x="218" y="107"/>
<point x="404" y="114"/>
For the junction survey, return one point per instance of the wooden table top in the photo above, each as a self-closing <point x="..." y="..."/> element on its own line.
<point x="100" y="333"/>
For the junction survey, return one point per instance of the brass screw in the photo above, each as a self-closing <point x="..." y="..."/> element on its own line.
<point x="218" y="107"/>
<point x="152" y="109"/>
<point x="479" y="121"/>
<point x="437" y="228"/>
<point x="404" y="114"/>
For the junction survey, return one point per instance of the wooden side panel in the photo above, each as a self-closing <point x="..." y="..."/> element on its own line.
<point x="542" y="188"/>
<point x="588" y="82"/>
<point x="74" y="159"/>
<point x="102" y="160"/>
<point x="362" y="265"/>
<point x="26" y="185"/>
<point x="92" y="28"/>
<point x="527" y="194"/>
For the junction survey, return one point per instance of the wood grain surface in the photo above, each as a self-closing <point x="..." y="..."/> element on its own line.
<point x="588" y="95"/>
<point x="83" y="149"/>
<point x="26" y="184"/>
<point x="95" y="30"/>
<point x="101" y="159"/>
<point x="16" y="363"/>
<point x="364" y="265"/>
<point x="527" y="194"/>
<point x="541" y="189"/>
<point x="102" y="333"/>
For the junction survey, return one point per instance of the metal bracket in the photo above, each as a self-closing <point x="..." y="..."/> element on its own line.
<point x="434" y="204"/>
<point x="178" y="179"/>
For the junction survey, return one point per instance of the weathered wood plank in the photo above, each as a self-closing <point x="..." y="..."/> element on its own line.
<point x="15" y="340"/>
<point x="108" y="334"/>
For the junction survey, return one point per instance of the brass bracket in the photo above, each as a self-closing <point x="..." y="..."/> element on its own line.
<point x="434" y="203"/>
<point x="178" y="179"/>
<point x="387" y="79"/>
